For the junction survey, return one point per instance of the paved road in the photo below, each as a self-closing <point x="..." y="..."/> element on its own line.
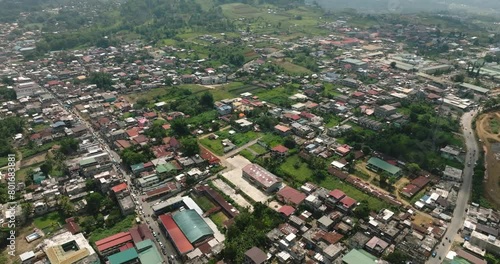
<point x="464" y="193"/>
<point x="146" y="211"/>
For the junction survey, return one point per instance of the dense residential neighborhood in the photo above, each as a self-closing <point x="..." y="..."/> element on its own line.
<point x="352" y="146"/>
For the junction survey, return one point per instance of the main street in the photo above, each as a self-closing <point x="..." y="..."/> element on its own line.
<point x="146" y="212"/>
<point x="459" y="214"/>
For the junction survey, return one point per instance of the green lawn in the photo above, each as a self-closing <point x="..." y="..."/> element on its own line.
<point x="258" y="149"/>
<point x="239" y="139"/>
<point x="302" y="173"/>
<point x="23" y="172"/>
<point x="219" y="218"/>
<point x="272" y="140"/>
<point x="247" y="154"/>
<point x="29" y="152"/>
<point x="332" y="183"/>
<point x="50" y="220"/>
<point x="3" y="161"/>
<point x="495" y="126"/>
<point x="121" y="226"/>
<point x="293" y="68"/>
<point x="203" y="203"/>
<point x="214" y="145"/>
<point x="334" y="121"/>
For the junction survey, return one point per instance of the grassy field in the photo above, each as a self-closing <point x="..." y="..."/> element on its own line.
<point x="239" y="139"/>
<point x="121" y="226"/>
<point x="219" y="218"/>
<point x="494" y="126"/>
<point x="334" y="183"/>
<point x="23" y="172"/>
<point x="28" y="152"/>
<point x="303" y="173"/>
<point x="296" y="168"/>
<point x="272" y="140"/>
<point x="203" y="202"/>
<point x="3" y="162"/>
<point x="292" y="68"/>
<point x="214" y="145"/>
<point x="258" y="149"/>
<point x="247" y="154"/>
<point x="49" y="221"/>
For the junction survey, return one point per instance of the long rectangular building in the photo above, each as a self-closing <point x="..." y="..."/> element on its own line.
<point x="174" y="233"/>
<point x="261" y="177"/>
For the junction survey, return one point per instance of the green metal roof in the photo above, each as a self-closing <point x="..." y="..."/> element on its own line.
<point x="148" y="253"/>
<point x="38" y="177"/>
<point x="192" y="225"/>
<point x="167" y="167"/>
<point x="123" y="257"/>
<point x="137" y="167"/>
<point x="84" y="162"/>
<point x="358" y="257"/>
<point x="376" y="162"/>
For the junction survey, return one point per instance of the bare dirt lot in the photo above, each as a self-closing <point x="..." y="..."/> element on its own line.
<point x="488" y="128"/>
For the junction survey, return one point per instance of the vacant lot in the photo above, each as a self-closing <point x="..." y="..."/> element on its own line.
<point x="219" y="218"/>
<point x="258" y="149"/>
<point x="487" y="126"/>
<point x="203" y="203"/>
<point x="49" y="222"/>
<point x="292" y="68"/>
<point x="297" y="169"/>
<point x="236" y="178"/>
<point x="239" y="139"/>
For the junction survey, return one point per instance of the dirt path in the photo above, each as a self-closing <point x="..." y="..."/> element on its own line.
<point x="492" y="177"/>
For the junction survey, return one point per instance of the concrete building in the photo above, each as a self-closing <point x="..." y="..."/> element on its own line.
<point x="385" y="110"/>
<point x="67" y="248"/>
<point x="452" y="174"/>
<point x="261" y="177"/>
<point x="26" y="89"/>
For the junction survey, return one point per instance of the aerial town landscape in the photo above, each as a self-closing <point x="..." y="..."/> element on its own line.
<point x="270" y="131"/>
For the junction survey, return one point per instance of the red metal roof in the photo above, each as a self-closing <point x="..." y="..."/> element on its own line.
<point x="120" y="187"/>
<point x="291" y="195"/>
<point x="337" y="194"/>
<point x="348" y="202"/>
<point x="112" y="241"/>
<point x="286" y="210"/>
<point x="280" y="149"/>
<point x="127" y="246"/>
<point x="180" y="241"/>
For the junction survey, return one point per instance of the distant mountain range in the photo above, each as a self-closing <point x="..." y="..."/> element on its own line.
<point x="406" y="6"/>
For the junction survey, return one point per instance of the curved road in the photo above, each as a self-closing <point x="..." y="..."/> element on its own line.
<point x="464" y="193"/>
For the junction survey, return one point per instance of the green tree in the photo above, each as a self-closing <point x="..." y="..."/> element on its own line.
<point x="397" y="257"/>
<point x="393" y="65"/>
<point x="180" y="127"/>
<point x="362" y="211"/>
<point x="102" y="80"/>
<point x="190" y="146"/>
<point x="131" y="156"/>
<point x="207" y="100"/>
<point x="366" y="150"/>
<point x="69" y="145"/>
<point x="412" y="168"/>
<point x="94" y="203"/>
<point x="27" y="208"/>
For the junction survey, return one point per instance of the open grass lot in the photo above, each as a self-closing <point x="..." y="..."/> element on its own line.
<point x="332" y="183"/>
<point x="297" y="169"/>
<point x="258" y="149"/>
<point x="28" y="152"/>
<point x="219" y="218"/>
<point x="121" y="226"/>
<point x="247" y="154"/>
<point x="292" y="68"/>
<point x="203" y="202"/>
<point x="303" y="173"/>
<point x="23" y="172"/>
<point x="272" y="140"/>
<point x="214" y="145"/>
<point x="3" y="162"/>
<point x="49" y="221"/>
